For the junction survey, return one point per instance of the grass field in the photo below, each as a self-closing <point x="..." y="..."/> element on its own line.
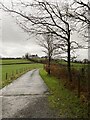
<point x="63" y="100"/>
<point x="73" y="65"/>
<point x="11" y="72"/>
<point x="10" y="61"/>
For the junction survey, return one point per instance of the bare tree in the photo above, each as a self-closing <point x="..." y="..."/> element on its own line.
<point x="48" y="43"/>
<point x="52" y="15"/>
<point x="81" y="13"/>
<point x="27" y="56"/>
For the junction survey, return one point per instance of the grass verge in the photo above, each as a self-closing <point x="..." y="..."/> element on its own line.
<point x="63" y="100"/>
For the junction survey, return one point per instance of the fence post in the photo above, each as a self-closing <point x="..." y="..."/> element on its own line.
<point x="16" y="71"/>
<point x="12" y="74"/>
<point x="6" y="75"/>
<point x="78" y="85"/>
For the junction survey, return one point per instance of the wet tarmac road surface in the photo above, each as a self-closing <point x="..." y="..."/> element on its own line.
<point x="26" y="97"/>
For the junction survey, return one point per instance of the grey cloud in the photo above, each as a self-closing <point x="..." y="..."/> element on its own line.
<point x="15" y="43"/>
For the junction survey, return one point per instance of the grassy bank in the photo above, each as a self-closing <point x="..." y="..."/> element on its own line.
<point x="11" y="72"/>
<point x="68" y="105"/>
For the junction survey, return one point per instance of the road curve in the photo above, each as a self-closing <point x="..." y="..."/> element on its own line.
<point x="26" y="97"/>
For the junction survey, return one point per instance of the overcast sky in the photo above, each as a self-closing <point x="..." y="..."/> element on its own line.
<point x="14" y="41"/>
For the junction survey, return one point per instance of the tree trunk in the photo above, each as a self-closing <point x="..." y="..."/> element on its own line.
<point x="88" y="80"/>
<point x="69" y="56"/>
<point x="49" y="65"/>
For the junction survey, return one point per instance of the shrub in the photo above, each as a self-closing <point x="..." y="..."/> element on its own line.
<point x="78" y="75"/>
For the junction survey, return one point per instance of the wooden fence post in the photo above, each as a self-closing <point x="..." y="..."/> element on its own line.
<point x="12" y="74"/>
<point x="6" y="75"/>
<point x="16" y="71"/>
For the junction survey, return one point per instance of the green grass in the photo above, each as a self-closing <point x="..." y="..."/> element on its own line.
<point x="73" y="65"/>
<point x="78" y="65"/>
<point x="15" y="71"/>
<point x="66" y="103"/>
<point x="9" y="61"/>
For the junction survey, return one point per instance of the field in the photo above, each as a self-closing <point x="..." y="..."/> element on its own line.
<point x="11" y="72"/>
<point x="73" y="65"/>
<point x="14" y="61"/>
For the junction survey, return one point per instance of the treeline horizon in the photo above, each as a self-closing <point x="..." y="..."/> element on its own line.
<point x="75" y="61"/>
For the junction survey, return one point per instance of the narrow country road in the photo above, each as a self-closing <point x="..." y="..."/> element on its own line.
<point x="26" y="97"/>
